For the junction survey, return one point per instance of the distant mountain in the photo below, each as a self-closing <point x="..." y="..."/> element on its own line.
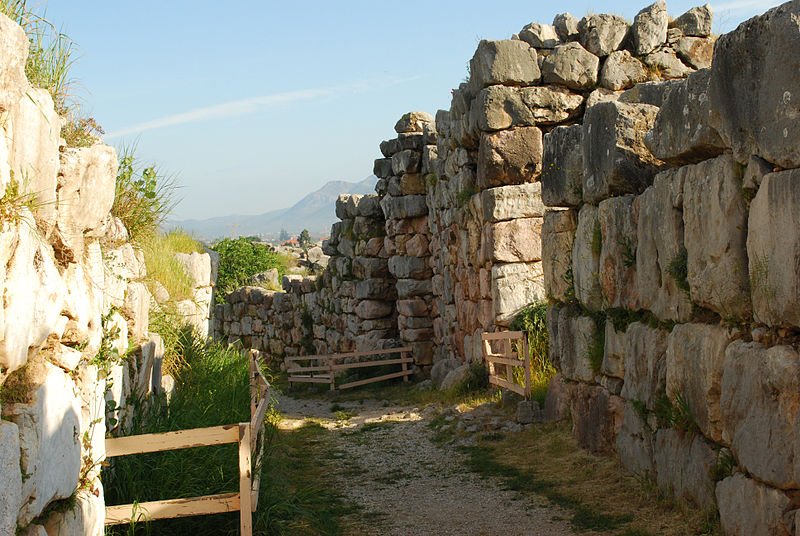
<point x="315" y="212"/>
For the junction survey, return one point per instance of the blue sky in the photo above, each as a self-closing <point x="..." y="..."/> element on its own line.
<point x="254" y="104"/>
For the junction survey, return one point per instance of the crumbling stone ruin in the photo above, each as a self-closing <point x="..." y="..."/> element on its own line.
<point x="641" y="188"/>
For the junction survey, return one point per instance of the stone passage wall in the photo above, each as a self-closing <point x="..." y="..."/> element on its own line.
<point x="673" y="260"/>
<point x="73" y="299"/>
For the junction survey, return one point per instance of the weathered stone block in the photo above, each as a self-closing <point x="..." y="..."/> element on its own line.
<point x="566" y="26"/>
<point x="406" y="161"/>
<point x="615" y="159"/>
<point x="660" y="257"/>
<point x="410" y="288"/>
<point x="374" y="289"/>
<point x="617" y="263"/>
<point x="645" y="364"/>
<point x="666" y="62"/>
<point x="682" y="133"/>
<point x="649" y="29"/>
<point x="517" y="240"/>
<point x="513" y="287"/>
<point x="760" y="409"/>
<point x="562" y="167"/>
<point x="572" y="66"/>
<point x="614" y="349"/>
<point x="754" y="87"/>
<point x="10" y="477"/>
<point x="407" y="206"/>
<point x="371" y="309"/>
<point x="502" y="107"/>
<point x="575" y="337"/>
<point x="748" y="507"/>
<point x="596" y="417"/>
<point x="413" y="122"/>
<point x="684" y="463"/>
<point x="539" y="35"/>
<point x="695" y="22"/>
<point x="602" y="34"/>
<point x="622" y="71"/>
<point x="773" y="249"/>
<point x="635" y="443"/>
<point x="695" y="357"/>
<point x="715" y="219"/>
<point x="512" y="202"/>
<point x="509" y="157"/>
<point x="506" y="62"/>
<point x="586" y="258"/>
<point x="382" y="168"/>
<point x="558" y="237"/>
<point x="697" y="52"/>
<point x="409" y="267"/>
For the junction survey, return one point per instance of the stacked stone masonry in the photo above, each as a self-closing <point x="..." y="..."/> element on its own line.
<point x="670" y="257"/>
<point x="641" y="177"/>
<point x="71" y="284"/>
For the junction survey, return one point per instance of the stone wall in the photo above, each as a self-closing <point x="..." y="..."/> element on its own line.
<point x="74" y="299"/>
<point x="671" y="253"/>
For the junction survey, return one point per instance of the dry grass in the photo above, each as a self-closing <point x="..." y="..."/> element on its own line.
<point x="602" y="497"/>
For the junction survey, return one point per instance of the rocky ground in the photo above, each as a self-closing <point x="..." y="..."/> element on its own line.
<point x="407" y="483"/>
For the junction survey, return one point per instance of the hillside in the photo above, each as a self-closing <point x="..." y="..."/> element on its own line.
<point x="315" y="212"/>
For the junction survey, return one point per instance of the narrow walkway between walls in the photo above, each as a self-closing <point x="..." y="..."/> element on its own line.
<point x="405" y="482"/>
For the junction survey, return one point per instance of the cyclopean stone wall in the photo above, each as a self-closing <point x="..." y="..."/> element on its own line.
<point x="73" y="299"/>
<point x="671" y="255"/>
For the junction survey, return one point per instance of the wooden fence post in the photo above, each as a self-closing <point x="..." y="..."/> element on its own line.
<point x="245" y="478"/>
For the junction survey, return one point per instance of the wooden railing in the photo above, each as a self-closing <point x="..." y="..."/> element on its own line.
<point x="323" y="368"/>
<point x="249" y="436"/>
<point x="512" y="353"/>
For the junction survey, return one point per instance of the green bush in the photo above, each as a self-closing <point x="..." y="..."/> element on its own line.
<point x="533" y="321"/>
<point x="240" y="259"/>
<point x="144" y="197"/>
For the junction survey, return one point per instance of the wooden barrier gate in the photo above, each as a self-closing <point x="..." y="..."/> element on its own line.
<point x="323" y="368"/>
<point x="514" y="354"/>
<point x="249" y="436"/>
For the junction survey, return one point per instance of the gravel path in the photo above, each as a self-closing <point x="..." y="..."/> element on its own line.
<point x="408" y="485"/>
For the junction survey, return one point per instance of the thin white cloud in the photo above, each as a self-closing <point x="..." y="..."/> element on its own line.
<point x="742" y="5"/>
<point x="241" y="107"/>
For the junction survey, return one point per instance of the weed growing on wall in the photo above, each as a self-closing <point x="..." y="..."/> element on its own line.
<point x="678" y="269"/>
<point x="162" y="266"/>
<point x="533" y="321"/>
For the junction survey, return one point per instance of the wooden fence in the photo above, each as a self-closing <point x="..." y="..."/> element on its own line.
<point x="249" y="436"/>
<point x="323" y="368"/>
<point x="503" y="352"/>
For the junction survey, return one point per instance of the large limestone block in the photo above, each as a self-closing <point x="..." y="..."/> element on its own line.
<point x="413" y="122"/>
<point x="346" y="207"/>
<point x="747" y="507"/>
<point x="653" y="93"/>
<point x="682" y="133"/>
<point x="615" y="159"/>
<point x="86" y="517"/>
<point x="14" y="51"/>
<point x="666" y="63"/>
<point x="558" y="237"/>
<point x="575" y="335"/>
<point x="649" y="29"/>
<point x="371" y="309"/>
<point x="622" y="71"/>
<point x="602" y="34"/>
<point x="86" y="187"/>
<point x="566" y="26"/>
<point x="369" y="267"/>
<point x="407" y="206"/>
<point x="32" y="137"/>
<point x="517" y="240"/>
<point x="409" y="267"/>
<point x="511" y="202"/>
<point x="586" y="258"/>
<point x="33" y="295"/>
<point x="635" y="443"/>
<point x="760" y="410"/>
<point x="562" y="167"/>
<point x="539" y="35"/>
<point x="614" y="349"/>
<point x="509" y="157"/>
<point x="695" y="22"/>
<point x="645" y="364"/>
<point x="572" y="66"/>
<point x="49" y="433"/>
<point x="773" y="249"/>
<point x="197" y="267"/>
<point x="502" y="107"/>
<point x="697" y="52"/>
<point x="715" y="234"/>
<point x="684" y="463"/>
<point x="617" y="262"/>
<point x="10" y="477"/>
<point x="137" y="308"/>
<point x="513" y="287"/>
<point x="755" y="88"/>
<point x="596" y="417"/>
<point x="506" y="62"/>
<point x="83" y="305"/>
<point x="695" y="357"/>
<point x="659" y="249"/>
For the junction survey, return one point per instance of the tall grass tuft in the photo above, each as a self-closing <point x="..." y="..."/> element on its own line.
<point x="144" y="197"/>
<point x="533" y="321"/>
<point x="162" y="267"/>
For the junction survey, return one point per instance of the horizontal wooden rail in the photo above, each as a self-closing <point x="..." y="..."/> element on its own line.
<point x="172" y="508"/>
<point x="376" y="379"/>
<point x="514" y="354"/>
<point x="350" y="354"/>
<point x="362" y="364"/>
<point x="505" y="384"/>
<point x="513" y="362"/>
<point x="181" y="439"/>
<point x="323" y="368"/>
<point x="502" y="335"/>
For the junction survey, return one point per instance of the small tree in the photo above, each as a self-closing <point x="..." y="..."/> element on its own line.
<point x="304" y="240"/>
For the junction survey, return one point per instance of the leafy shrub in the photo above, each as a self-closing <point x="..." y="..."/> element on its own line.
<point x="533" y="321"/>
<point x="143" y="196"/>
<point x="240" y="259"/>
<point x="679" y="271"/>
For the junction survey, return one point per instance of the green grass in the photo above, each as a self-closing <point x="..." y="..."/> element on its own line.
<point x="533" y="321"/>
<point x="297" y="495"/>
<point x="162" y="266"/>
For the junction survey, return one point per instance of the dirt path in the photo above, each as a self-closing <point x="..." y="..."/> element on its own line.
<point x="408" y="484"/>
